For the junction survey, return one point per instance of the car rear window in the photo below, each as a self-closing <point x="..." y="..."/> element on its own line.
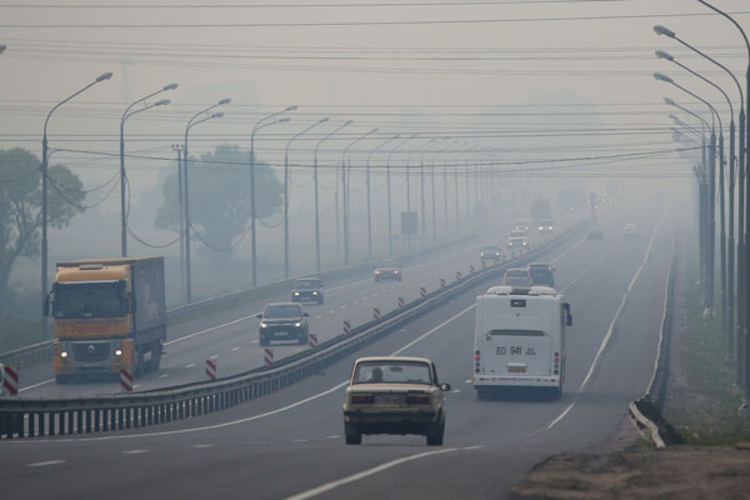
<point x="388" y="372"/>
<point x="517" y="274"/>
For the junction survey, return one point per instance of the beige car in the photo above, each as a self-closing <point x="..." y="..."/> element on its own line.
<point x="394" y="395"/>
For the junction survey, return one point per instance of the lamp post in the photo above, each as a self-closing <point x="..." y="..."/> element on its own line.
<point x="367" y="182"/>
<point x="743" y="358"/>
<point x="194" y="120"/>
<point x="286" y="192"/>
<point x="712" y="188"/>
<point x="45" y="201"/>
<point x="129" y="111"/>
<point x="2" y="48"/>
<point x="178" y="149"/>
<point x="388" y="182"/>
<point x="315" y="179"/>
<point x="345" y="191"/>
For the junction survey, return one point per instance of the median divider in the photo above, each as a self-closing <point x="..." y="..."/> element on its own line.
<point x="21" y="417"/>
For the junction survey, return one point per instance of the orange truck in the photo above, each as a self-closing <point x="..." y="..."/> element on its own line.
<point x="108" y="314"/>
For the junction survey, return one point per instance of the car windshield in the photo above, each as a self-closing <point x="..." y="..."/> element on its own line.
<point x="546" y="222"/>
<point x="90" y="300"/>
<point x="388" y="263"/>
<point x="306" y="284"/>
<point x="392" y="372"/>
<point x="282" y="311"/>
<point x="518" y="233"/>
<point x="491" y="248"/>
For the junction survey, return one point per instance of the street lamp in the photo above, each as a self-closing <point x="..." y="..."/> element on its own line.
<point x="45" y="201"/>
<point x="743" y="359"/>
<point x="2" y="48"/>
<point x="421" y="152"/>
<point x="727" y="261"/>
<point x="315" y="181"/>
<point x="127" y="114"/>
<point x="260" y="124"/>
<point x="345" y="191"/>
<point x="388" y="182"/>
<point x="194" y="120"/>
<point x="712" y="189"/>
<point x="367" y="182"/>
<point x="286" y="192"/>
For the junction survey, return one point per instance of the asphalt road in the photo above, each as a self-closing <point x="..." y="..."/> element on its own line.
<point x="290" y="444"/>
<point x="231" y="337"/>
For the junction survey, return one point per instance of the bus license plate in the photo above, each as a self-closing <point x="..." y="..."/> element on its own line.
<point x="516" y="369"/>
<point x="389" y="400"/>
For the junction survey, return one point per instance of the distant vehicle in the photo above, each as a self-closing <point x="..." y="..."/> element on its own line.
<point x="523" y="225"/>
<point x="572" y="199"/>
<point x="518" y="233"/>
<point x="490" y="253"/>
<point x="630" y="230"/>
<point x="542" y="274"/>
<point x="518" y="242"/>
<point x="595" y="233"/>
<point x="517" y="277"/>
<point x="109" y="315"/>
<point x="546" y="226"/>
<point x="519" y="340"/>
<point x="308" y="290"/>
<point x="540" y="209"/>
<point x="394" y="395"/>
<point x="283" y="321"/>
<point x="388" y="269"/>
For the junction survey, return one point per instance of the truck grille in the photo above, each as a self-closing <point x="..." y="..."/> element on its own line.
<point x="90" y="352"/>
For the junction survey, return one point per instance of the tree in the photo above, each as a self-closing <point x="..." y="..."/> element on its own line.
<point x="220" y="198"/>
<point x="21" y="206"/>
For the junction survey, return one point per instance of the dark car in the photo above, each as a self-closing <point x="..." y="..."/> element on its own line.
<point x="283" y="321"/>
<point x="596" y="233"/>
<point x="542" y="274"/>
<point x="490" y="253"/>
<point x="307" y="290"/>
<point x="388" y="269"/>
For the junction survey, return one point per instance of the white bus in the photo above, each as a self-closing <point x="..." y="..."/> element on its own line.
<point x="519" y="340"/>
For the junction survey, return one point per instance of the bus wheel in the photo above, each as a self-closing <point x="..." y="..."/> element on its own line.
<point x="155" y="362"/>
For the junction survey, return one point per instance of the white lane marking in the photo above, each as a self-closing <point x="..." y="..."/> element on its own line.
<point x="318" y="317"/>
<point x="256" y="442"/>
<point x="355" y="303"/>
<point x="254" y="341"/>
<point x="34" y="386"/>
<point x="209" y="330"/>
<point x="476" y="447"/>
<point x="343" y="307"/>
<point x="566" y="252"/>
<point x="299" y="441"/>
<point x="336" y="436"/>
<point x="215" y="356"/>
<point x="611" y="329"/>
<point x="661" y="330"/>
<point x="190" y="365"/>
<point x="202" y="446"/>
<point x="46" y="464"/>
<point x="430" y="332"/>
<point x="456" y="391"/>
<point x="235" y="348"/>
<point x="331" y="312"/>
<point x="468" y="381"/>
<point x="135" y="452"/>
<point x="364" y="298"/>
<point x="136" y="386"/>
<point x="165" y="375"/>
<point x="366" y="473"/>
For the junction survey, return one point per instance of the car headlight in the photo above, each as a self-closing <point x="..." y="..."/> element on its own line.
<point x="296" y="293"/>
<point x="263" y="324"/>
<point x="118" y="352"/>
<point x="315" y="293"/>
<point x="481" y="254"/>
<point x="497" y="254"/>
<point x="524" y="243"/>
<point x="64" y="354"/>
<point x="395" y="272"/>
<point x="298" y="324"/>
<point x="377" y="272"/>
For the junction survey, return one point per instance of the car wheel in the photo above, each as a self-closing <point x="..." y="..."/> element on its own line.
<point x="351" y="435"/>
<point x="435" y="438"/>
<point x="303" y="339"/>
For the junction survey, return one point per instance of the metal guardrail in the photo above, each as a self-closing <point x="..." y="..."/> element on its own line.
<point x="20" y="417"/>
<point x="26" y="356"/>
<point x="646" y="413"/>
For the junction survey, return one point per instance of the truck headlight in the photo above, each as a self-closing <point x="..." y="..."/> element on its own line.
<point x="296" y="293"/>
<point x="298" y="324"/>
<point x="64" y="354"/>
<point x="118" y="352"/>
<point x="481" y="254"/>
<point x="263" y="324"/>
<point x="524" y="243"/>
<point x="315" y="293"/>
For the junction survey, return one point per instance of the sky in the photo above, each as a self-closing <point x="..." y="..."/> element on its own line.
<point x="529" y="80"/>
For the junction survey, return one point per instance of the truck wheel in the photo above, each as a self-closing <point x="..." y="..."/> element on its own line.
<point x="304" y="339"/>
<point x="62" y="379"/>
<point x="138" y="368"/>
<point x="155" y="358"/>
<point x="435" y="438"/>
<point x="351" y="435"/>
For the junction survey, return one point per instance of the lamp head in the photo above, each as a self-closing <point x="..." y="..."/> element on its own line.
<point x="348" y="123"/>
<point x="663" y="77"/>
<point x="291" y="108"/>
<point x="217" y="115"/>
<point x="669" y="102"/>
<point x="674" y="118"/>
<point x="662" y="30"/>
<point x="373" y="131"/>
<point x="282" y="120"/>
<point x="660" y="54"/>
<point x="163" y="102"/>
<point x="171" y="86"/>
<point x="104" y="76"/>
<point x="323" y="120"/>
<point x="2" y="48"/>
<point x="226" y="100"/>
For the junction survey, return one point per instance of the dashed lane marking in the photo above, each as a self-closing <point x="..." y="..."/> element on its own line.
<point x="235" y="348"/>
<point x="299" y="441"/>
<point x="164" y="375"/>
<point x="456" y="391"/>
<point x="46" y="464"/>
<point x="202" y="446"/>
<point x="333" y="437"/>
<point x="468" y="381"/>
<point x="190" y="365"/>
<point x="135" y="452"/>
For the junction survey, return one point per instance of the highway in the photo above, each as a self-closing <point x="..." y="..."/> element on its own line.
<point x="231" y="337"/>
<point x="290" y="444"/>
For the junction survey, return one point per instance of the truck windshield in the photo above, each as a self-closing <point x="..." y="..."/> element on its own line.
<point x="90" y="300"/>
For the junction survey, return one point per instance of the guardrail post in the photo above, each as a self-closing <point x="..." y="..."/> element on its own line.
<point x="54" y="427"/>
<point x="80" y="422"/>
<point x="32" y="429"/>
<point x="88" y="421"/>
<point x="69" y="418"/>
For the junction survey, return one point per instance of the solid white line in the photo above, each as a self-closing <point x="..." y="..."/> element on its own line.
<point x="134" y="452"/>
<point x="430" y="332"/>
<point x="36" y="385"/>
<point x="209" y="330"/>
<point x="566" y="252"/>
<point x="476" y="447"/>
<point x="164" y="375"/>
<point x="562" y="415"/>
<point x="366" y="473"/>
<point x="46" y="464"/>
<point x="299" y="441"/>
